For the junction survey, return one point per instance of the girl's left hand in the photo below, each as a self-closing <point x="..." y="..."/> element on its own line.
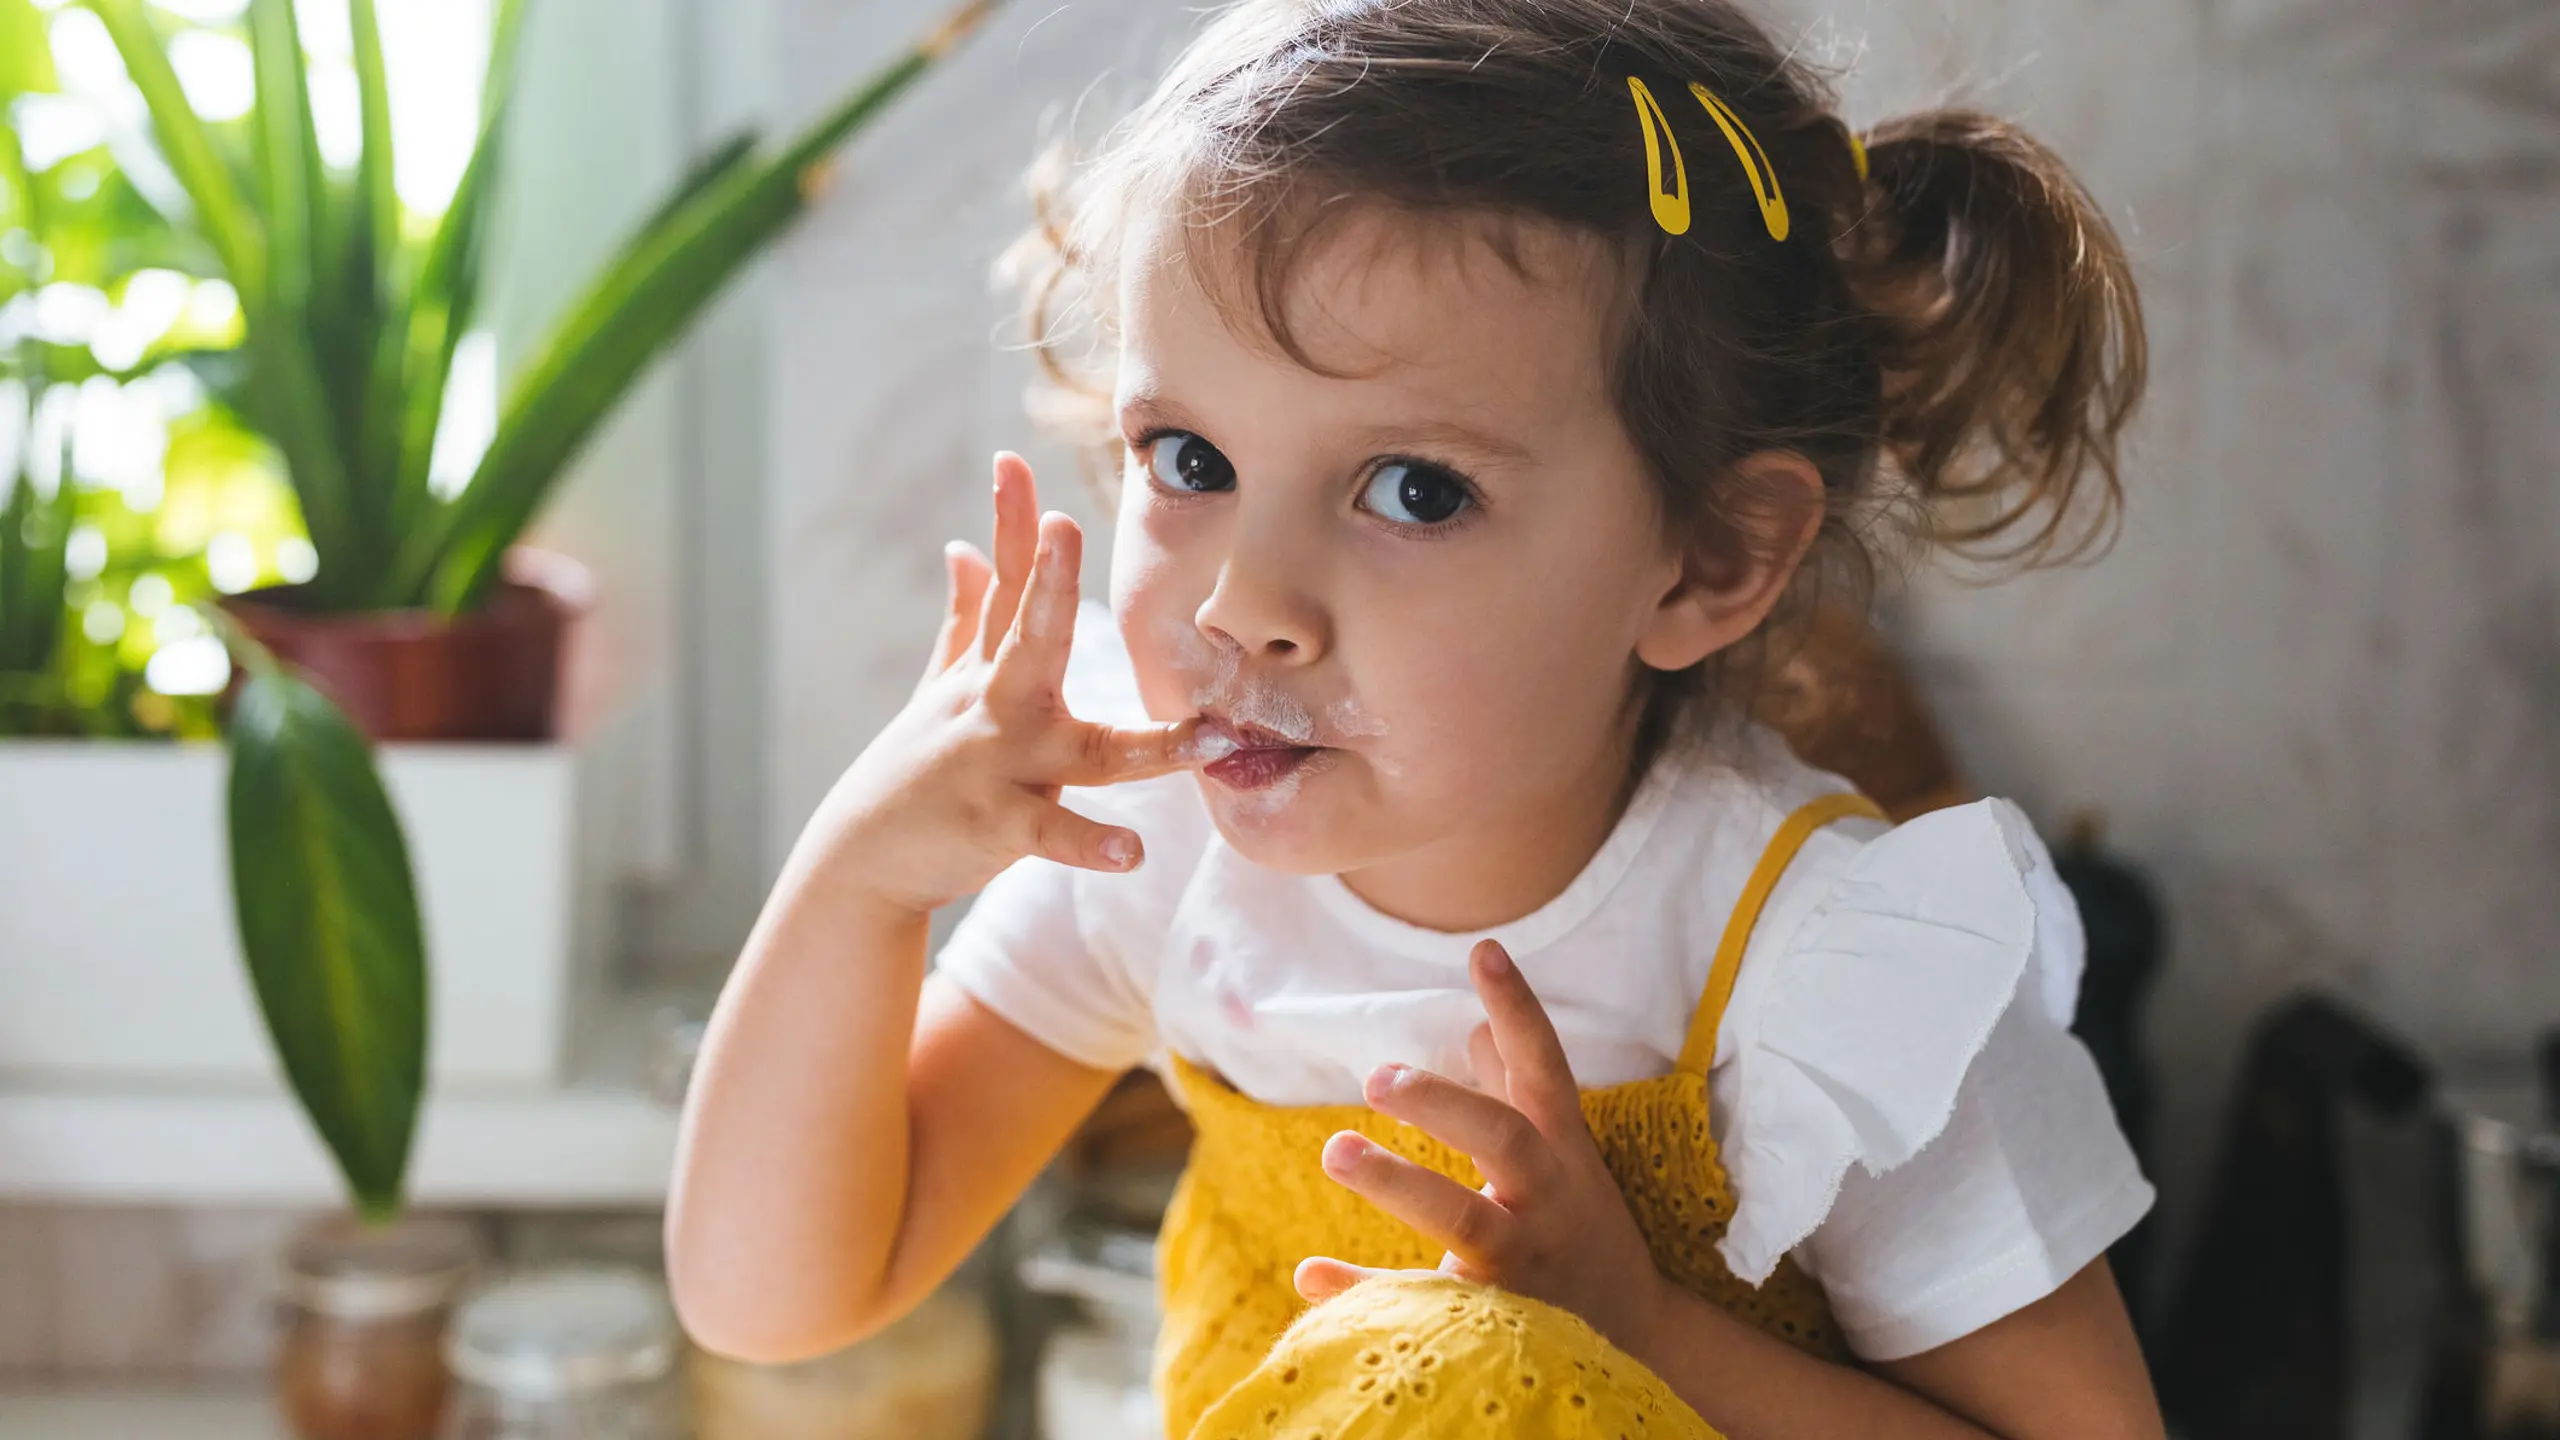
<point x="1550" y="1222"/>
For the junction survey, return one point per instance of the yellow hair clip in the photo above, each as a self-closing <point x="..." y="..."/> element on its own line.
<point x="1671" y="205"/>
<point x="1857" y="151"/>
<point x="1755" y="161"/>
<point x="1671" y="202"/>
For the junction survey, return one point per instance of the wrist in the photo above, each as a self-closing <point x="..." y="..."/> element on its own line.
<point x="841" y="863"/>
<point x="1655" y="1314"/>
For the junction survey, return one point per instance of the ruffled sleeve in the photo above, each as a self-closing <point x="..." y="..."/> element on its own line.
<point x="1872" y="1010"/>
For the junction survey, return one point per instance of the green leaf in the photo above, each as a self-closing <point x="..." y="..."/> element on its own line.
<point x="34" y="534"/>
<point x="440" y="305"/>
<point x="366" y="284"/>
<point x="373" y="167"/>
<point x="221" y="211"/>
<point x="328" y="919"/>
<point x="287" y="148"/>
<point x="26" y="55"/>
<point x="643" y="301"/>
<point x="712" y="167"/>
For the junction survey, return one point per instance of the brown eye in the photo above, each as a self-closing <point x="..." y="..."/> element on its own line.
<point x="1411" y="494"/>
<point x="1185" y="462"/>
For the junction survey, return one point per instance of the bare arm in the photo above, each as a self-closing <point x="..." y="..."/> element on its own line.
<point x="2065" y="1366"/>
<point x="854" y="1128"/>
<point x="820" y="1202"/>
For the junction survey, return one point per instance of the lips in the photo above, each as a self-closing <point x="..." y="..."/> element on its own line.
<point x="1259" y="768"/>
<point x="1263" y="756"/>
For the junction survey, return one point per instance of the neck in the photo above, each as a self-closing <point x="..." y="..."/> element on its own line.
<point x="1495" y="872"/>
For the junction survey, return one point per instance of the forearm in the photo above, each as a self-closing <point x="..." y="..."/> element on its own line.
<point x="792" y="1167"/>
<point x="1752" y="1386"/>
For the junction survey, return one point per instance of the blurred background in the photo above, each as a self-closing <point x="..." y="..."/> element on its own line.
<point x="2302" y="723"/>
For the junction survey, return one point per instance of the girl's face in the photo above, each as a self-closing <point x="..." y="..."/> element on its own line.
<point x="1416" y="595"/>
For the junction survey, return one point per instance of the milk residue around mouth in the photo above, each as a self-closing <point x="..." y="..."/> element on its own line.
<point x="1259" y="702"/>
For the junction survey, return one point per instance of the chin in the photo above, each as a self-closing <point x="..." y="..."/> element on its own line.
<point x="1287" y="827"/>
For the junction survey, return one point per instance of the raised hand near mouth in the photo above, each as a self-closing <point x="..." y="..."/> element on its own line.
<point x="966" y="778"/>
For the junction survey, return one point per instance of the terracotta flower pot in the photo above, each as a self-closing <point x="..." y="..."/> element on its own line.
<point x="493" y="674"/>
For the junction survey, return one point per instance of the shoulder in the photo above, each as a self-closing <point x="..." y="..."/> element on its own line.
<point x="1879" y="970"/>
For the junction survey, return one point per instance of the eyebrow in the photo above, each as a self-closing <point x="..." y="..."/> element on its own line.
<point x="1149" y="409"/>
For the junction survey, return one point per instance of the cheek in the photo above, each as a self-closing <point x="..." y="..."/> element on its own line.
<point x="1489" y="689"/>
<point x="1154" y="605"/>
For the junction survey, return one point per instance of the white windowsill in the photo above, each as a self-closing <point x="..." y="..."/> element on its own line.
<point x="598" y="1140"/>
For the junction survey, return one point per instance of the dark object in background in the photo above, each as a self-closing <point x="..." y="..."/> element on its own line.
<point x="2256" y="1342"/>
<point x="2122" y="915"/>
<point x="2495" y="1371"/>
<point x="2546" y="1058"/>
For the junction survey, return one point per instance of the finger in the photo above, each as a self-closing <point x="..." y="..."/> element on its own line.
<point x="1017" y="505"/>
<point x="1090" y="754"/>
<point x="968" y="574"/>
<point x="1485" y="1059"/>
<point x="1031" y="661"/>
<point x="1513" y="1155"/>
<point x="1321" y="1277"/>
<point x="1053" y="832"/>
<point x="1465" y="1222"/>
<point x="1539" y="1079"/>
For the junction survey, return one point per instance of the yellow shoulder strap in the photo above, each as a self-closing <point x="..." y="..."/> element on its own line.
<point x="1699" y="1050"/>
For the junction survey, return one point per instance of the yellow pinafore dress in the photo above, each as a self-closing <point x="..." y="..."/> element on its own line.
<point x="1242" y="1356"/>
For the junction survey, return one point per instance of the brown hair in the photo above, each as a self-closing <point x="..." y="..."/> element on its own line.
<point x="1953" y="340"/>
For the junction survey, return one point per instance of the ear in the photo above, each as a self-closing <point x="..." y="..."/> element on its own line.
<point x="1719" y="599"/>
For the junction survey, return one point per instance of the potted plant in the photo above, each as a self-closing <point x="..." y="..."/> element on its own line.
<point x="414" y="624"/>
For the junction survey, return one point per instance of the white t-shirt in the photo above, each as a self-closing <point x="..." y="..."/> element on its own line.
<point x="1936" y="1153"/>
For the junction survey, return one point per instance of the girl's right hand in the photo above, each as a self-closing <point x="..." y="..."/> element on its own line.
<point x="965" y="780"/>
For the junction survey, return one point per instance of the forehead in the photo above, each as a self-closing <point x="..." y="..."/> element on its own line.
<point x="1503" y="323"/>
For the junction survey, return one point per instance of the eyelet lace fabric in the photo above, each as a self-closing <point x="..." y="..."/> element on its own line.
<point x="1241" y="1355"/>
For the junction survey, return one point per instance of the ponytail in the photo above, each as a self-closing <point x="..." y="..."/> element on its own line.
<point x="2013" y="353"/>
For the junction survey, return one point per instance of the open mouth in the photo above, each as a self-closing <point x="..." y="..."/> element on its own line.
<point x="1263" y="757"/>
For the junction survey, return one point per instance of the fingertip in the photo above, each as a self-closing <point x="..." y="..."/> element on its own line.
<point x="1382" y="1082"/>
<point x="1313" y="1279"/>
<point x="1123" y="850"/>
<point x="1491" y="960"/>
<point x="1344" y="1152"/>
<point x="1194" y="742"/>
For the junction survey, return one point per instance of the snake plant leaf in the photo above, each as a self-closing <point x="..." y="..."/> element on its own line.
<point x="709" y="169"/>
<point x="287" y="149"/>
<point x="643" y="301"/>
<point x="441" y="303"/>
<point x="329" y="922"/>
<point x="188" y="146"/>
<point x="374" y="166"/>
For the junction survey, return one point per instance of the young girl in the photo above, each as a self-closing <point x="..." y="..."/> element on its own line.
<point x="1489" y="378"/>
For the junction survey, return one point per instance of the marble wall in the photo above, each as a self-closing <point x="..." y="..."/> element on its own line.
<point x="2316" y="686"/>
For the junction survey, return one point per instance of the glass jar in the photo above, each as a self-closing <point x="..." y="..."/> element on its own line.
<point x="364" y="1310"/>
<point x="566" y="1352"/>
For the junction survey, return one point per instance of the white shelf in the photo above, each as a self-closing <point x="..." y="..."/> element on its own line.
<point x="599" y="1140"/>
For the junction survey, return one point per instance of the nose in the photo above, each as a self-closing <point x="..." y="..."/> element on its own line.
<point x="1265" y="603"/>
